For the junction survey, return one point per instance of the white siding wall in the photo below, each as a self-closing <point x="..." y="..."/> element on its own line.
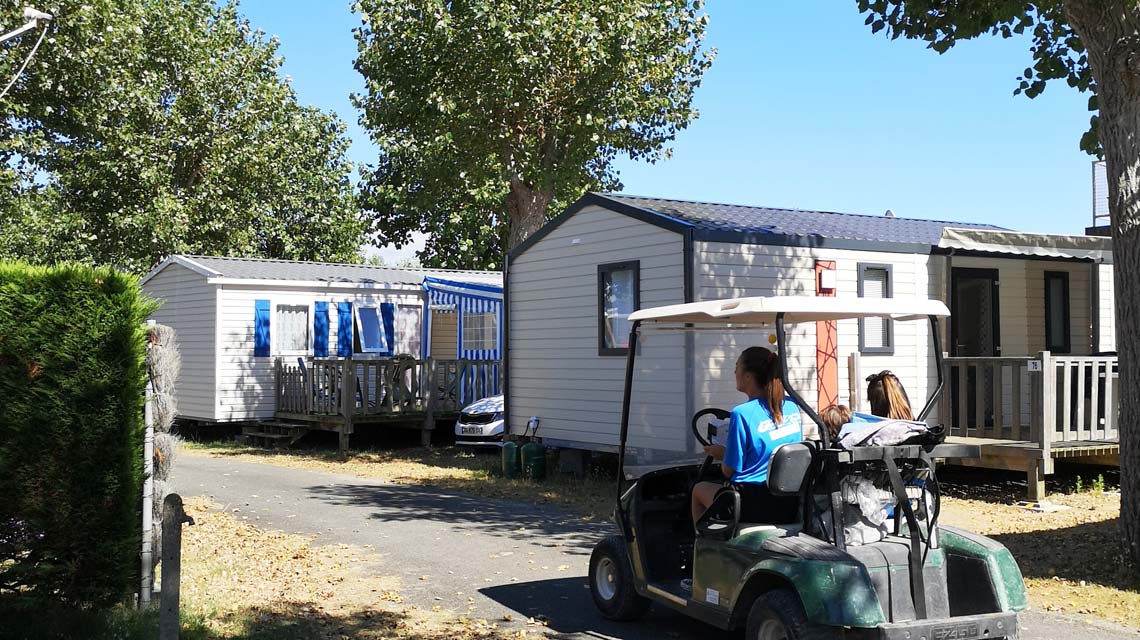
<point x="733" y="270"/>
<point x="1080" y="304"/>
<point x="189" y="305"/>
<point x="556" y="372"/>
<point x="1021" y="298"/>
<point x="1014" y="318"/>
<point x="245" y="382"/>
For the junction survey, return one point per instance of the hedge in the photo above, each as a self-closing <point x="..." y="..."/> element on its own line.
<point x="72" y="384"/>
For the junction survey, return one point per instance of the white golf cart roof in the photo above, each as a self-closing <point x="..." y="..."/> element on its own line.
<point x="763" y="310"/>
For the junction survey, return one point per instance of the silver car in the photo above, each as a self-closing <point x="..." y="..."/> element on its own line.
<point x="481" y="423"/>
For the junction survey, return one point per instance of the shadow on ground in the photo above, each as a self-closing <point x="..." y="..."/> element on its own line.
<point x="1089" y="552"/>
<point x="566" y="608"/>
<point x="534" y="524"/>
<point x="283" y="621"/>
<point x="1006" y="487"/>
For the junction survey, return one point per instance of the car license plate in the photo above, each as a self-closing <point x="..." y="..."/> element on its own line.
<point x="466" y="431"/>
<point x="964" y="631"/>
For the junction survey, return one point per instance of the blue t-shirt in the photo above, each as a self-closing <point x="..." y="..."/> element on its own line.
<point x="858" y="421"/>
<point x="753" y="436"/>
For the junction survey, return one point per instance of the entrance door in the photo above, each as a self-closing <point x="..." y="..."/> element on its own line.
<point x="974" y="333"/>
<point x="974" y="313"/>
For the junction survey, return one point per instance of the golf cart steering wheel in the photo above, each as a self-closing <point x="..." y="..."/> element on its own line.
<point x="719" y="414"/>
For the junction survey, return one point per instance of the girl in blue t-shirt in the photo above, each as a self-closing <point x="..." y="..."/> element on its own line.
<point x="756" y="428"/>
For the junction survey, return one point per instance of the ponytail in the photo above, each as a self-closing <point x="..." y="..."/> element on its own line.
<point x="765" y="368"/>
<point x="887" y="397"/>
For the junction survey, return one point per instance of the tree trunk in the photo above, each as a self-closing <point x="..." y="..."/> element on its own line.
<point x="1110" y="31"/>
<point x="526" y="210"/>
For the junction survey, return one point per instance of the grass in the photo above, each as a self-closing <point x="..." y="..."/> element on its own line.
<point x="242" y="583"/>
<point x="1072" y="560"/>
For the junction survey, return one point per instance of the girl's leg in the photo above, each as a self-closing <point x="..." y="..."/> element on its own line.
<point x="703" y="494"/>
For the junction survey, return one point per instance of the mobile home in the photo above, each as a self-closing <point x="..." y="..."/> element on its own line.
<point x="244" y="325"/>
<point x="1014" y="297"/>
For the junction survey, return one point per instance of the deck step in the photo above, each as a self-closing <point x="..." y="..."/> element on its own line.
<point x="273" y="434"/>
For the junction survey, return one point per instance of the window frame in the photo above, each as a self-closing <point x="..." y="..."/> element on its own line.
<point x="608" y="269"/>
<point x="1067" y="346"/>
<point x="275" y="327"/>
<point x="889" y="325"/>
<point x="493" y="335"/>
<point x="358" y="333"/>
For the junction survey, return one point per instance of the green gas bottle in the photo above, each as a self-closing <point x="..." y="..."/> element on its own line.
<point x="511" y="464"/>
<point x="533" y="459"/>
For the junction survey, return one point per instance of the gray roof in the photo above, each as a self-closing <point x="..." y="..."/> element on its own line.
<point x="792" y="223"/>
<point x="296" y="270"/>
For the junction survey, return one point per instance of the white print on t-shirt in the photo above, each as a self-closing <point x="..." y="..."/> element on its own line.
<point x="785" y="431"/>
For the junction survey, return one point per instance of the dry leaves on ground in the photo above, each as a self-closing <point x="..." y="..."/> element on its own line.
<point x="249" y="583"/>
<point x="1072" y="560"/>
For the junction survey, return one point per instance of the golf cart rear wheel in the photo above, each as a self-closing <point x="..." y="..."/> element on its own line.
<point x="778" y="615"/>
<point x="611" y="581"/>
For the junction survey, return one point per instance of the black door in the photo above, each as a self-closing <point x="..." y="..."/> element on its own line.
<point x="974" y="332"/>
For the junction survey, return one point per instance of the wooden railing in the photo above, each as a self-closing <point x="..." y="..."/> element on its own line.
<point x="1044" y="399"/>
<point x="389" y="386"/>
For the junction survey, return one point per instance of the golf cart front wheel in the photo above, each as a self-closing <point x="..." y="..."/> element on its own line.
<point x="611" y="581"/>
<point x="778" y="615"/>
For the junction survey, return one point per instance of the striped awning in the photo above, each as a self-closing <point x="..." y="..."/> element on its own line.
<point x="467" y="300"/>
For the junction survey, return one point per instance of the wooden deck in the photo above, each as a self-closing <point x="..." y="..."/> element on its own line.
<point x="1025" y="413"/>
<point x="337" y="394"/>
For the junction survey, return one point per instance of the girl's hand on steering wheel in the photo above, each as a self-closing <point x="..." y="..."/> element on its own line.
<point x="715" y="450"/>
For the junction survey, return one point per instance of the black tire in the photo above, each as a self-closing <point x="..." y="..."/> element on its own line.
<point x="611" y="581"/>
<point x="779" y="611"/>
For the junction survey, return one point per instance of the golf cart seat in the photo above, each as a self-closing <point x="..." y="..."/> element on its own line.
<point x="788" y="471"/>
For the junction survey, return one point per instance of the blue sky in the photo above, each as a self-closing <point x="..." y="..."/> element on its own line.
<point x="804" y="107"/>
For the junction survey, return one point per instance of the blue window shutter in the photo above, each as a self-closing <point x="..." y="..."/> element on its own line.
<point x="321" y="329"/>
<point x="388" y="313"/>
<point x="261" y="343"/>
<point x="344" y="329"/>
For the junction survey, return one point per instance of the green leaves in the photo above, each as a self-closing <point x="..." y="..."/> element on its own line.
<point x="490" y="108"/>
<point x="1057" y="50"/>
<point x="148" y="127"/>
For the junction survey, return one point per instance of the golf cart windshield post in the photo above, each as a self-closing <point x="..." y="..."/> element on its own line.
<point x="633" y="333"/>
<point x="836" y="499"/>
<point x="934" y="397"/>
<point x="782" y="349"/>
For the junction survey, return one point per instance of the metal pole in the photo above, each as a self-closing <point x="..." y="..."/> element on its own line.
<point x="630" y="357"/>
<point x="932" y="402"/>
<point x="148" y="487"/>
<point x="173" y="518"/>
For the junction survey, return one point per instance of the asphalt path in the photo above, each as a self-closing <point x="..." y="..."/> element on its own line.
<point x="488" y="558"/>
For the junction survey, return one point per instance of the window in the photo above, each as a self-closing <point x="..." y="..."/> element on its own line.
<point x="480" y="331"/>
<point x="619" y="294"/>
<point x="370" y="336"/>
<point x="876" y="335"/>
<point x="409" y="326"/>
<point x="291" y="329"/>
<point x="1057" y="334"/>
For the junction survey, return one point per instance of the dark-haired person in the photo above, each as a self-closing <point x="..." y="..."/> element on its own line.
<point x="767" y="420"/>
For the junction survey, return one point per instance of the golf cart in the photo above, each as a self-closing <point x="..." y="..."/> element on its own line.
<point x="804" y="579"/>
